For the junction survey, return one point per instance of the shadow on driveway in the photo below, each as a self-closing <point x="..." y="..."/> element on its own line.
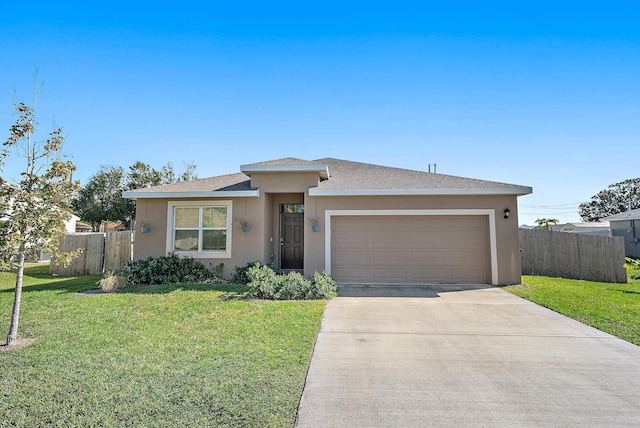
<point x="396" y="290"/>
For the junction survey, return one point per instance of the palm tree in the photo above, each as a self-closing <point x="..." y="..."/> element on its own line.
<point x="543" y="223"/>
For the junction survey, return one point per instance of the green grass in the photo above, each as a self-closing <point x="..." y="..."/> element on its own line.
<point x="613" y="308"/>
<point x="196" y="355"/>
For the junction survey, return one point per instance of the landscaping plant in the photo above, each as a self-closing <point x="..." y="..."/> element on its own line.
<point x="264" y="283"/>
<point x="170" y="269"/>
<point x="240" y="273"/>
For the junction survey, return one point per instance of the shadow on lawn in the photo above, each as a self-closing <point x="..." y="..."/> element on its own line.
<point x="87" y="285"/>
<point x="47" y="282"/>
<point x="231" y="291"/>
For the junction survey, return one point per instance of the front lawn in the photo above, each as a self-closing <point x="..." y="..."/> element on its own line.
<point x="196" y="355"/>
<point x="613" y="308"/>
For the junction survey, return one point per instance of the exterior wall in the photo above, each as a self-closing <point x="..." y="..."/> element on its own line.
<point x="262" y="241"/>
<point x="508" y="247"/>
<point x="630" y="231"/>
<point x="245" y="247"/>
<point x="291" y="182"/>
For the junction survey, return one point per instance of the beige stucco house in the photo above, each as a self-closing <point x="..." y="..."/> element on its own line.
<point x="361" y="223"/>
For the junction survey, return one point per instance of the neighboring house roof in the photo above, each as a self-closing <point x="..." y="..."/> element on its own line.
<point x="627" y="215"/>
<point x="80" y="226"/>
<point x="339" y="178"/>
<point x="584" y="225"/>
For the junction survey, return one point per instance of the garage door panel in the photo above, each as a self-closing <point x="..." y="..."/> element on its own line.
<point x="422" y="239"/>
<point x="464" y="275"/>
<point x="427" y="258"/>
<point x="352" y="240"/>
<point x="390" y="274"/>
<point x="417" y="222"/>
<point x="352" y="256"/>
<point x="388" y="240"/>
<point x="383" y="223"/>
<point x="410" y="249"/>
<point x="434" y="275"/>
<point x="466" y="239"/>
<point x="351" y="274"/>
<point x="390" y="257"/>
<point x="466" y="257"/>
<point x="351" y="224"/>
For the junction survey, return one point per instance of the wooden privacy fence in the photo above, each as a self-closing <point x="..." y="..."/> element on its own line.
<point x="573" y="255"/>
<point x="101" y="252"/>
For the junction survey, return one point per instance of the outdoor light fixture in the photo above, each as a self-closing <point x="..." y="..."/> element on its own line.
<point x="507" y="211"/>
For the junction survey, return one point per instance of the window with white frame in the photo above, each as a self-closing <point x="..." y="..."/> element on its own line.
<point x="200" y="229"/>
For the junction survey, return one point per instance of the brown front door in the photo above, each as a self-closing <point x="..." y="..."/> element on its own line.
<point x="291" y="241"/>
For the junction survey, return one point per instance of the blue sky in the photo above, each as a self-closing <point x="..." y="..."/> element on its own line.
<point x="545" y="95"/>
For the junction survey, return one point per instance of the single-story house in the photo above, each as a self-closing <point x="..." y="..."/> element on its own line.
<point x="599" y="228"/>
<point x="627" y="225"/>
<point x="359" y="222"/>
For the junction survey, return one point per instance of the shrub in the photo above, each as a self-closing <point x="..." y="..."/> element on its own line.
<point x="169" y="269"/>
<point x="240" y="273"/>
<point x="265" y="284"/>
<point x="631" y="263"/>
<point x="110" y="282"/>
<point x="324" y="287"/>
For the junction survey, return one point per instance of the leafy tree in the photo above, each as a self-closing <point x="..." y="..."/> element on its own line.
<point x="543" y="223"/>
<point x="169" y="176"/>
<point x="34" y="207"/>
<point x="101" y="198"/>
<point x="612" y="200"/>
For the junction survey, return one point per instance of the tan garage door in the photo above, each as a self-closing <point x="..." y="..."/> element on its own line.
<point x="410" y="249"/>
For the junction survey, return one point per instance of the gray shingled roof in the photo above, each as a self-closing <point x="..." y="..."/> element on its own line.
<point x="221" y="183"/>
<point x="627" y="215"/>
<point x="285" y="162"/>
<point x="347" y="175"/>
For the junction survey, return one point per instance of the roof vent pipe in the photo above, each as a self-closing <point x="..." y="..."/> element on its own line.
<point x="434" y="167"/>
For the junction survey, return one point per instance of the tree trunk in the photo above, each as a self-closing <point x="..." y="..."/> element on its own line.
<point x="15" y="315"/>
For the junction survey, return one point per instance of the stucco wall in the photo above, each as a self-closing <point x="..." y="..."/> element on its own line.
<point x="284" y="182"/>
<point x="262" y="240"/>
<point x="245" y="246"/>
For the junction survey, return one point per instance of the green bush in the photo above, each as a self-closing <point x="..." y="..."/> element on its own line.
<point x="169" y="269"/>
<point x="324" y="287"/>
<point x="240" y="273"/>
<point x="265" y="284"/>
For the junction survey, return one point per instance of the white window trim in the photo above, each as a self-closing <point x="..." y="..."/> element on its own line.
<point x="491" y="213"/>
<point x="199" y="204"/>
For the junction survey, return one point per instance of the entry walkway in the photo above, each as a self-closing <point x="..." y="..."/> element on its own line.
<point x="464" y="356"/>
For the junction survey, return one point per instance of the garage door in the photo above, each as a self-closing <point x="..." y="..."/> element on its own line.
<point x="410" y="249"/>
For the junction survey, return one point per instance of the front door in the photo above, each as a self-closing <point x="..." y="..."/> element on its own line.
<point x="291" y="237"/>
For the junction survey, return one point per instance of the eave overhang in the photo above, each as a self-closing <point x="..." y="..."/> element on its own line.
<point x="322" y="170"/>
<point x="519" y="191"/>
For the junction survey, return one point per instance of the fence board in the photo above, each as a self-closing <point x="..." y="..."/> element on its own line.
<point x="573" y="255"/>
<point x="117" y="250"/>
<point x="100" y="252"/>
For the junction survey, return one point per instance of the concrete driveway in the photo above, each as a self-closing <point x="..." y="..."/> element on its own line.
<point x="464" y="356"/>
